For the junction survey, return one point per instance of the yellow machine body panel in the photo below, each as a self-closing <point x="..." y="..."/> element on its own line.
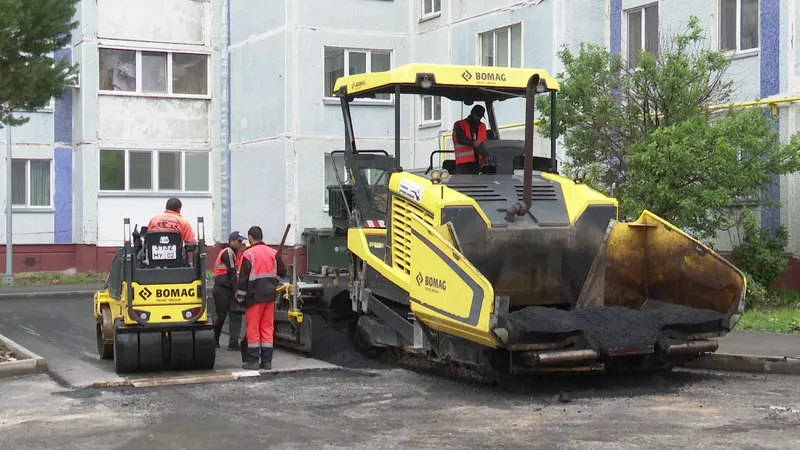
<point x="578" y="197"/>
<point x="359" y="245"/>
<point x="447" y="293"/>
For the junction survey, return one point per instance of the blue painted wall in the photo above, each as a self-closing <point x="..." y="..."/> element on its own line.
<point x="770" y="85"/>
<point x="615" y="26"/>
<point x="62" y="163"/>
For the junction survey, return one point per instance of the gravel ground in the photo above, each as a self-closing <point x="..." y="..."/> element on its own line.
<point x="401" y="409"/>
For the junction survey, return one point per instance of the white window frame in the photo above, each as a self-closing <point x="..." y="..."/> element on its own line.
<point x="154" y="189"/>
<point x="643" y="36"/>
<point x="169" y="94"/>
<point x="494" y="32"/>
<point x="326" y="161"/>
<point x="738" y="50"/>
<point x="347" y="51"/>
<point x="27" y="205"/>
<point x="424" y="123"/>
<point x="434" y="13"/>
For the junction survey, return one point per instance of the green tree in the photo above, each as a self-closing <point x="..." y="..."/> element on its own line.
<point x="30" y="30"/>
<point x="648" y="137"/>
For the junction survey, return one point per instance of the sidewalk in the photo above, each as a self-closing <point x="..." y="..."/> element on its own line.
<point x="763" y="344"/>
<point x="49" y="291"/>
<point x="58" y="290"/>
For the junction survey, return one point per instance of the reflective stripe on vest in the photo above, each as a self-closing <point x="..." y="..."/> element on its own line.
<point x="219" y="267"/>
<point x="262" y="261"/>
<point x="466" y="153"/>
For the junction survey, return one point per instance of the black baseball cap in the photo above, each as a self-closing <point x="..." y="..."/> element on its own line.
<point x="236" y="236"/>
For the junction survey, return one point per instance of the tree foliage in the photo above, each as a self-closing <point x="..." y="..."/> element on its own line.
<point x="30" y="32"/>
<point x="648" y="136"/>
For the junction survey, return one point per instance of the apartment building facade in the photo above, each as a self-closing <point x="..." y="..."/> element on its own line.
<point x="227" y="103"/>
<point x="135" y="130"/>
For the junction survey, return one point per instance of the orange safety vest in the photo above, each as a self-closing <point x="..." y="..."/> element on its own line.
<point x="263" y="278"/>
<point x="466" y="153"/>
<point x="219" y="267"/>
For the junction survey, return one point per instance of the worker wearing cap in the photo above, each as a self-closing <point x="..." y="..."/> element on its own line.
<point x="468" y="134"/>
<point x="257" y="292"/>
<point x="224" y="292"/>
<point x="171" y="219"/>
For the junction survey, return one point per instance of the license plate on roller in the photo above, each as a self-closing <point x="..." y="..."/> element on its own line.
<point x="163" y="252"/>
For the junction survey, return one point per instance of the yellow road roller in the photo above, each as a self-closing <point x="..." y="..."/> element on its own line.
<point x="153" y="313"/>
<point x="507" y="266"/>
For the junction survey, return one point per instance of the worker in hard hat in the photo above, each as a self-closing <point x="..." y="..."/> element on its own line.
<point x="224" y="292"/>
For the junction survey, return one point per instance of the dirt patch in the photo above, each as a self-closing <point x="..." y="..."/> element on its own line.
<point x="6" y="354"/>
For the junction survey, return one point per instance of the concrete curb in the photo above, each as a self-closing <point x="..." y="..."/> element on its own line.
<point x="26" y="364"/>
<point x="79" y="293"/>
<point x="747" y="363"/>
<point x="41" y="294"/>
<point x="213" y="377"/>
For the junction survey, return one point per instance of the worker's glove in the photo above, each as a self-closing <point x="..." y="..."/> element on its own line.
<point x="240" y="300"/>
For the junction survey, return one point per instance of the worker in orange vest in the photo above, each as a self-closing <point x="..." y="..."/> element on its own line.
<point x="224" y="292"/>
<point x="171" y="219"/>
<point x="257" y="292"/>
<point x="468" y="134"/>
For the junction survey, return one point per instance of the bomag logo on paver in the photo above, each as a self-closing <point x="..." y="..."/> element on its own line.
<point x="431" y="284"/>
<point x="357" y="84"/>
<point x="483" y="76"/>
<point x="175" y="292"/>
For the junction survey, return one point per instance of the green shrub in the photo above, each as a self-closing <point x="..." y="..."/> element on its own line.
<point x="761" y="252"/>
<point x="757" y="296"/>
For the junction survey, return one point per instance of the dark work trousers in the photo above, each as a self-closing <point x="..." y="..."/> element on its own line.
<point x="224" y="299"/>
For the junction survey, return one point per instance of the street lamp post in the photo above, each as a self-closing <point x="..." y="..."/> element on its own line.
<point x="9" y="277"/>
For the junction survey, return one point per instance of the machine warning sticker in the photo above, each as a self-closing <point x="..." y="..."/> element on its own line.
<point x="431" y="284"/>
<point x="411" y="190"/>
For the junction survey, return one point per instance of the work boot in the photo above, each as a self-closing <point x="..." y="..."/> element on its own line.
<point x="266" y="358"/>
<point x="216" y="336"/>
<point x="252" y="359"/>
<point x="234" y="346"/>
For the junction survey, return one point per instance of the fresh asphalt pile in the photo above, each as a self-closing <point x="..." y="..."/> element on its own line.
<point x="610" y="327"/>
<point x="338" y="347"/>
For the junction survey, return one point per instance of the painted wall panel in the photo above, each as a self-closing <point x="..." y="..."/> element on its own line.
<point x="168" y="21"/>
<point x="124" y="119"/>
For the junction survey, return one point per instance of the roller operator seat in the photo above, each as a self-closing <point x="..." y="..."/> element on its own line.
<point x="164" y="249"/>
